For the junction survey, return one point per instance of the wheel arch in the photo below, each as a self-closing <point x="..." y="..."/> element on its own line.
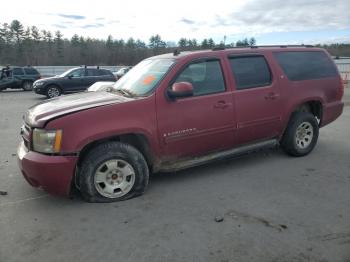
<point x="314" y="106"/>
<point x="137" y="140"/>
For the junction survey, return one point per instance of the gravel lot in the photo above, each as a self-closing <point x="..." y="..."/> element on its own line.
<point x="275" y="208"/>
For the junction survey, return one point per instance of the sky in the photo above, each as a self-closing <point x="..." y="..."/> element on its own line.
<point x="269" y="21"/>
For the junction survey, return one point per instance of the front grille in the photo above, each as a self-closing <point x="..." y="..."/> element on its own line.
<point x="26" y="143"/>
<point x="26" y="133"/>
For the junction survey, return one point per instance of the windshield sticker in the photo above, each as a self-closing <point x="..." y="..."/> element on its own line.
<point x="149" y="79"/>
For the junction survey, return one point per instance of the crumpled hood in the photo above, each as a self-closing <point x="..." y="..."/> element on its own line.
<point x="39" y="114"/>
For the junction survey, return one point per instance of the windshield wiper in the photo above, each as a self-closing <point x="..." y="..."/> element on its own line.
<point x="125" y="92"/>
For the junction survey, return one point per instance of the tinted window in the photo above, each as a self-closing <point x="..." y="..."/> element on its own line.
<point x="18" y="71"/>
<point x="93" y="72"/>
<point x="206" y="77"/>
<point x="305" y="65"/>
<point x="250" y="71"/>
<point x="30" y="71"/>
<point x="104" y="72"/>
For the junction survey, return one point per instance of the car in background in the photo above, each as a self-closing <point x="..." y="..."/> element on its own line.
<point x="121" y="72"/>
<point x="101" y="86"/>
<point x="73" y="80"/>
<point x="18" y="78"/>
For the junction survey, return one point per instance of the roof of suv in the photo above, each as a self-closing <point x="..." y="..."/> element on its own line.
<point x="250" y="49"/>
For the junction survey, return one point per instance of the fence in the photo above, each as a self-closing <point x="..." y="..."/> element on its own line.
<point x="344" y="70"/>
<point x="57" y="70"/>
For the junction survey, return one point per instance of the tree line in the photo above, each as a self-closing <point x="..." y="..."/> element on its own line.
<point x="32" y="46"/>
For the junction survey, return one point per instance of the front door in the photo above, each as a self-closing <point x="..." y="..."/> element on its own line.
<point x="75" y="81"/>
<point x="201" y="123"/>
<point x="257" y="98"/>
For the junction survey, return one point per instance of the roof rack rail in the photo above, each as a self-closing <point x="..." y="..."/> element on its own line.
<point x="281" y="46"/>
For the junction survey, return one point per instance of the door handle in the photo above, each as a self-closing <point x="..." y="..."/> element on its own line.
<point x="221" y="105"/>
<point x="272" y="96"/>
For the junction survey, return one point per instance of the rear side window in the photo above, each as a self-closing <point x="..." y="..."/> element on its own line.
<point x="30" y="71"/>
<point x="206" y="77"/>
<point x="18" y="71"/>
<point x="93" y="72"/>
<point x="305" y="65"/>
<point x="250" y="71"/>
<point x="104" y="72"/>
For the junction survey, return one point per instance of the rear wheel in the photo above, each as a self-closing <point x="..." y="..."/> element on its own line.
<point x="301" y="134"/>
<point x="27" y="85"/>
<point x="53" y="91"/>
<point x="113" y="171"/>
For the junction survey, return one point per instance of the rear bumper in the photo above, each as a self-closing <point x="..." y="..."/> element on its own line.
<point x="331" y="112"/>
<point x="52" y="173"/>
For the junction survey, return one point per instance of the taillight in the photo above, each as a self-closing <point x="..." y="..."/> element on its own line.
<point x="340" y="91"/>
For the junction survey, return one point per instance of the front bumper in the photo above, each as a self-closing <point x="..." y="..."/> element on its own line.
<point x="39" y="90"/>
<point x="52" y="173"/>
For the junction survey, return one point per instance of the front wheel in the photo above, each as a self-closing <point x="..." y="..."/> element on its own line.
<point x="301" y="134"/>
<point x="53" y="91"/>
<point x="113" y="171"/>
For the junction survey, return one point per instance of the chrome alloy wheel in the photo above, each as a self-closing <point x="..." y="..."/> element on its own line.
<point x="114" y="178"/>
<point x="304" y="135"/>
<point x="53" y="92"/>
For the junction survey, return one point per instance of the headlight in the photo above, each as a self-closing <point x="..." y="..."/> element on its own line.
<point x="38" y="83"/>
<point x="47" y="141"/>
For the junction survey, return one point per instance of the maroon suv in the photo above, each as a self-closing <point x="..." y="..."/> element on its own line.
<point x="176" y="111"/>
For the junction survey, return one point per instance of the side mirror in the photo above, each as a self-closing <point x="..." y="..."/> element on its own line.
<point x="69" y="77"/>
<point x="181" y="89"/>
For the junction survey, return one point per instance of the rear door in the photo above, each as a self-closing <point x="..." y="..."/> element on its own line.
<point x="257" y="98"/>
<point x="17" y="77"/>
<point x="201" y="123"/>
<point x="92" y="76"/>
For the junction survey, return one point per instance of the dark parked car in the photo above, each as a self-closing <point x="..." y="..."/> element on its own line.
<point x="176" y="111"/>
<point x="18" y="77"/>
<point x="73" y="80"/>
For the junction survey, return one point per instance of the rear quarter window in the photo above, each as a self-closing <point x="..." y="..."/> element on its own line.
<point x="305" y="65"/>
<point x="104" y="72"/>
<point x="31" y="71"/>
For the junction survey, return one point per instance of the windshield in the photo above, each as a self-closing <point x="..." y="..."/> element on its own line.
<point x="66" y="72"/>
<point x="142" y="78"/>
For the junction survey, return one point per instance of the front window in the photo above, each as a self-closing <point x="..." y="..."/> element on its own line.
<point x="144" y="77"/>
<point x="74" y="73"/>
<point x="206" y="77"/>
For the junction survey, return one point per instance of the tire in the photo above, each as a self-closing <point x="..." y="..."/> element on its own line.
<point x="112" y="172"/>
<point x="301" y="134"/>
<point x="27" y="86"/>
<point x="53" y="91"/>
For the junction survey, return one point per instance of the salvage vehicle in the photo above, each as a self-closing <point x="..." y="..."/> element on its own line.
<point x="71" y="81"/>
<point x="18" y="78"/>
<point x="176" y="111"/>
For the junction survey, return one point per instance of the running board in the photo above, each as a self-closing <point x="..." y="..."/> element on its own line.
<point x="196" y="161"/>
